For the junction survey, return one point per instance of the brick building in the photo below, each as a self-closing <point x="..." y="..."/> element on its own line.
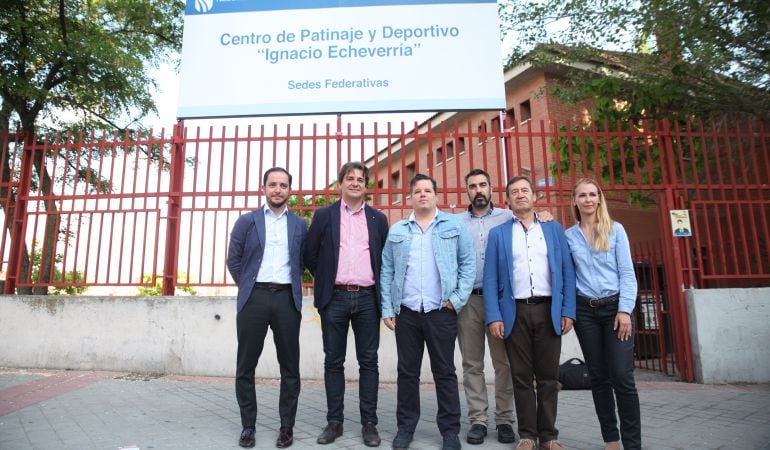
<point x="459" y="141"/>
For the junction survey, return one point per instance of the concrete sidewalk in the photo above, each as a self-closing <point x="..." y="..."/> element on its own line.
<point x="106" y="410"/>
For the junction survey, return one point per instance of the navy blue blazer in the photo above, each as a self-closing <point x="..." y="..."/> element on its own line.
<point x="322" y="251"/>
<point x="247" y="246"/>
<point x="499" y="302"/>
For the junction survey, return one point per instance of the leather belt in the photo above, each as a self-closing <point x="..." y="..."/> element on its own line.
<point x="352" y="287"/>
<point x="599" y="302"/>
<point x="478" y="291"/>
<point x="273" y="287"/>
<point x="533" y="300"/>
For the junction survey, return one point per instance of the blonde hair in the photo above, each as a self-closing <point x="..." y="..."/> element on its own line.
<point x="601" y="240"/>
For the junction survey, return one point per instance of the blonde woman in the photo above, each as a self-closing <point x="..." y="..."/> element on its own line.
<point x="606" y="295"/>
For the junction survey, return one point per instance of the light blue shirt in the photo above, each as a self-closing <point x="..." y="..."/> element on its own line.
<point x="601" y="274"/>
<point x="422" y="286"/>
<point x="276" y="264"/>
<point x="479" y="228"/>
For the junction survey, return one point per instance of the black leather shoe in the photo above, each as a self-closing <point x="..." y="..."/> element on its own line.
<point x="505" y="434"/>
<point x="330" y="433"/>
<point x="371" y="435"/>
<point x="476" y="434"/>
<point x="402" y="440"/>
<point x="247" y="438"/>
<point x="285" y="437"/>
<point x="451" y="442"/>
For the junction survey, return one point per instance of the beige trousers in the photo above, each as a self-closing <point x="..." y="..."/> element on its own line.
<point x="471" y="335"/>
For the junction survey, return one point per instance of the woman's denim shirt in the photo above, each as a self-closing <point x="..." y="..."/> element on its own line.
<point x="455" y="258"/>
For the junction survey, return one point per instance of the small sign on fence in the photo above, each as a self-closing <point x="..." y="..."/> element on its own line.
<point x="680" y="222"/>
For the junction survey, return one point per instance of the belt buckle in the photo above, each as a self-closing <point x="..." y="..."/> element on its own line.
<point x="594" y="302"/>
<point x="352" y="288"/>
<point x="530" y="301"/>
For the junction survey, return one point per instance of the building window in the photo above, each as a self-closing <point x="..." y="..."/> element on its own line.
<point x="510" y="118"/>
<point x="410" y="173"/>
<point x="495" y="126"/>
<point x="460" y="145"/>
<point x="526" y="111"/>
<point x="450" y="150"/>
<point x="439" y="155"/>
<point x="395" y="179"/>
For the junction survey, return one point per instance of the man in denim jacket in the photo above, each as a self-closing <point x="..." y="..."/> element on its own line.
<point x="428" y="270"/>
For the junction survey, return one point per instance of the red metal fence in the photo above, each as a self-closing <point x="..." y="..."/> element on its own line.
<point x="121" y="210"/>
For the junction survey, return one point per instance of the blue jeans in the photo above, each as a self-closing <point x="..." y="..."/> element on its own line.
<point x="611" y="367"/>
<point x="359" y="309"/>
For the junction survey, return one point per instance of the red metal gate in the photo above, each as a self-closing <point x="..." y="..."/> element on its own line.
<point x="124" y="210"/>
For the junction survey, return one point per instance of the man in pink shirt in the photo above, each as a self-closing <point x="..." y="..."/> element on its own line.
<point x="343" y="252"/>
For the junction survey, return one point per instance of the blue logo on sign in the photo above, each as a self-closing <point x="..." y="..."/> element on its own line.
<point x="203" y="6"/>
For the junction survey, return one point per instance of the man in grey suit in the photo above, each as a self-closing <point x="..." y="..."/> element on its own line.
<point x="265" y="260"/>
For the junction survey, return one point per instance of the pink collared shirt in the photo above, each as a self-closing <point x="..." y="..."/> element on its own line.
<point x="354" y="265"/>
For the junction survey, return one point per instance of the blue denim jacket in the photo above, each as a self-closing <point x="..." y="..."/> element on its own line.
<point x="455" y="258"/>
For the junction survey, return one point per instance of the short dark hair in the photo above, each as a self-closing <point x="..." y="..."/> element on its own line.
<point x="353" y="165"/>
<point x="475" y="172"/>
<point x="518" y="178"/>
<point x="420" y="177"/>
<point x="275" y="169"/>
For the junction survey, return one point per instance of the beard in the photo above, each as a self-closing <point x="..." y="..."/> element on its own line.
<point x="279" y="204"/>
<point x="481" y="201"/>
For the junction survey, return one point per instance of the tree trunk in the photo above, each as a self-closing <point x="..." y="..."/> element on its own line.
<point x="51" y="236"/>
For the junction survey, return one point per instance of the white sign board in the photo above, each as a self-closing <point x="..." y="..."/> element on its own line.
<point x="249" y="57"/>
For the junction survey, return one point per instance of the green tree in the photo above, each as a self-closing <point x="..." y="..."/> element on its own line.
<point x="73" y="278"/>
<point x="78" y="65"/>
<point x="700" y="57"/>
<point x="156" y="290"/>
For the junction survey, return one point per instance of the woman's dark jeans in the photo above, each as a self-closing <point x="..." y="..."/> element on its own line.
<point x="611" y="366"/>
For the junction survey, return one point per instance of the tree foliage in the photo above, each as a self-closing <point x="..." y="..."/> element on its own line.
<point x="90" y="59"/>
<point x="156" y="290"/>
<point x="73" y="279"/>
<point x="78" y="65"/>
<point x="698" y="57"/>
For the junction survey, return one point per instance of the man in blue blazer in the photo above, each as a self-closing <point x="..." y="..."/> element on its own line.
<point x="265" y="260"/>
<point x="343" y="252"/>
<point x="529" y="299"/>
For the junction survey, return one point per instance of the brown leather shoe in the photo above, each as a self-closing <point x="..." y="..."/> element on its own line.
<point x="526" y="444"/>
<point x="247" y="438"/>
<point x="553" y="444"/>
<point x="285" y="437"/>
<point x="371" y="435"/>
<point x="330" y="433"/>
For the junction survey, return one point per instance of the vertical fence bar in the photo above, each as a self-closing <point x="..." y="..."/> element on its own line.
<point x="173" y="223"/>
<point x="18" y="244"/>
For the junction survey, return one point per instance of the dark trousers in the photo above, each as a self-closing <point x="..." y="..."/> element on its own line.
<point x="611" y="367"/>
<point x="533" y="350"/>
<point x="438" y="331"/>
<point x="359" y="309"/>
<point x="274" y="309"/>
